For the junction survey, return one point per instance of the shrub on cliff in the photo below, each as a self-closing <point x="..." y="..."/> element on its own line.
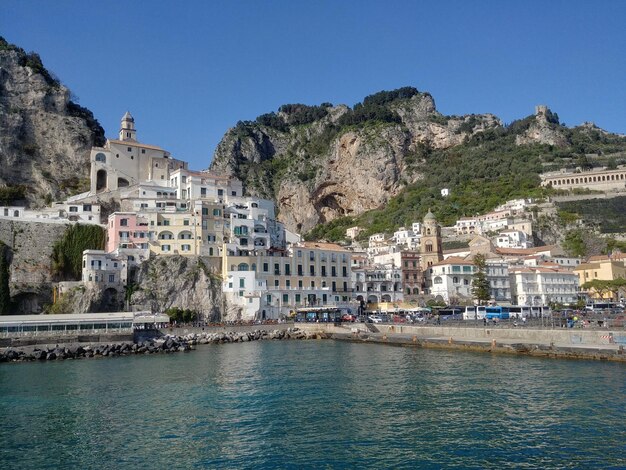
<point x="67" y="253"/>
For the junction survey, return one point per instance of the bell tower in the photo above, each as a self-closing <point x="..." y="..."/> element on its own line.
<point x="430" y="242"/>
<point x="127" y="130"/>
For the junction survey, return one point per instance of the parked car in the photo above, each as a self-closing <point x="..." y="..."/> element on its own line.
<point x="348" y="317"/>
<point x="374" y="319"/>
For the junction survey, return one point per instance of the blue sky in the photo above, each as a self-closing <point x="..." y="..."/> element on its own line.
<point x="190" y="70"/>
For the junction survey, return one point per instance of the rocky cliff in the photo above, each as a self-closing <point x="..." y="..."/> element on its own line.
<point x="45" y="137"/>
<point x="179" y="281"/>
<point x="30" y="254"/>
<point x="394" y="150"/>
<point x="324" y="162"/>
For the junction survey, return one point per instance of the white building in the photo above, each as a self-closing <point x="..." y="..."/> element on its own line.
<point x="451" y="279"/>
<point x="104" y="269"/>
<point x="125" y="161"/>
<point x="543" y="285"/>
<point x="513" y="239"/>
<point x="499" y="281"/>
<point x="353" y="232"/>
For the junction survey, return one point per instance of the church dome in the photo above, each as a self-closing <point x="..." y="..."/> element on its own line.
<point x="430" y="216"/>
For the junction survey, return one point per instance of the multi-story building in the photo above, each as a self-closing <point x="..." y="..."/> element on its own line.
<point x="204" y="185"/>
<point x="499" y="281"/>
<point x="601" y="268"/>
<point x="543" y="285"/>
<point x="411" y="274"/>
<point x="451" y="279"/>
<point x="307" y="274"/>
<point x="378" y="283"/>
<point x="105" y="270"/>
<point x="513" y="239"/>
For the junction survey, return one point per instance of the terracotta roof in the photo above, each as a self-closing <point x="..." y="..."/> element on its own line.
<point x="525" y="251"/>
<point x="131" y="143"/>
<point x="453" y="260"/>
<point x="323" y="246"/>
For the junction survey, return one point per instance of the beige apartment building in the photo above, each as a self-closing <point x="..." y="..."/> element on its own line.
<point x="308" y="274"/>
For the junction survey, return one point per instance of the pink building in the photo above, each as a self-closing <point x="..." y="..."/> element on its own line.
<point x="127" y="230"/>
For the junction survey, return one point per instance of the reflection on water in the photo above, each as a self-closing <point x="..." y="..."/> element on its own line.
<point x="313" y="404"/>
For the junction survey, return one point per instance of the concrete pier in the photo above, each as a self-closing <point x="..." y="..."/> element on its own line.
<point x="557" y="343"/>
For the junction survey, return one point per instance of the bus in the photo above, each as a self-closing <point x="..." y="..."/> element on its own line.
<point x="600" y="306"/>
<point x="520" y="311"/>
<point x="449" y="313"/>
<point x="474" y="312"/>
<point x="501" y="313"/>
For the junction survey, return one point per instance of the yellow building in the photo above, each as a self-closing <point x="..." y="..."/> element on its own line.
<point x="600" y="268"/>
<point x="196" y="231"/>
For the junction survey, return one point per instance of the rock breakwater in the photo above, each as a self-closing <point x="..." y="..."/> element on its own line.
<point x="164" y="345"/>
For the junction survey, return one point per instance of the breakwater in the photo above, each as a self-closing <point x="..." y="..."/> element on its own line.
<point x="169" y="343"/>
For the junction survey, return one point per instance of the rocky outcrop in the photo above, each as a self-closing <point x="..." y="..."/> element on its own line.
<point x="30" y="246"/>
<point x="543" y="129"/>
<point x="185" y="282"/>
<point x="332" y="166"/>
<point x="45" y="137"/>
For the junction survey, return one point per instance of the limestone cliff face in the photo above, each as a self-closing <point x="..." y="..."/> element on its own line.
<point x="45" y="138"/>
<point x="31" y="278"/>
<point x="179" y="281"/>
<point x="544" y="129"/>
<point x="320" y="163"/>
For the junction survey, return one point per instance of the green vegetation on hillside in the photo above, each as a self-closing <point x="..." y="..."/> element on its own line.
<point x="67" y="253"/>
<point x="30" y="60"/>
<point x="485" y="170"/>
<point x="12" y="193"/>
<point x="608" y="215"/>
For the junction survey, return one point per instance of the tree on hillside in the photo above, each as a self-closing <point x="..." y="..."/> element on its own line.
<point x="480" y="284"/>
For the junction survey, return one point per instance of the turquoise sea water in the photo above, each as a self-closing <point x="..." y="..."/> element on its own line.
<point x="313" y="404"/>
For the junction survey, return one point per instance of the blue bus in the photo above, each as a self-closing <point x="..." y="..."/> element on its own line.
<point x="501" y="313"/>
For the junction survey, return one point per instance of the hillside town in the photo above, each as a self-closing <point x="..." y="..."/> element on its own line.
<point x="162" y="208"/>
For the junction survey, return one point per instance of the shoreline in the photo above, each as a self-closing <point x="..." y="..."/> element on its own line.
<point x="607" y="345"/>
<point x="552" y="351"/>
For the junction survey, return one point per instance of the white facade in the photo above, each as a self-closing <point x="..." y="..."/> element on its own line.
<point x="499" y="281"/>
<point x="242" y="289"/>
<point x="513" y="239"/>
<point x="353" y="232"/>
<point x="124" y="162"/>
<point x="104" y="269"/>
<point x="542" y="286"/>
<point x="451" y="279"/>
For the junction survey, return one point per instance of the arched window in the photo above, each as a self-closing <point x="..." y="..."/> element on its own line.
<point x="408" y="291"/>
<point x="416" y="291"/>
<point x="427" y="231"/>
<point x="100" y="157"/>
<point x="455" y="280"/>
<point x="253" y="267"/>
<point x="437" y="280"/>
<point x="429" y="247"/>
<point x="242" y="267"/>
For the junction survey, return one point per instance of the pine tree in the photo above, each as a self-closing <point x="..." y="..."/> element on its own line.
<point x="480" y="284"/>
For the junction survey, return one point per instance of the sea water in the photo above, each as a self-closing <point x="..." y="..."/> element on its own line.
<point x="313" y="404"/>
